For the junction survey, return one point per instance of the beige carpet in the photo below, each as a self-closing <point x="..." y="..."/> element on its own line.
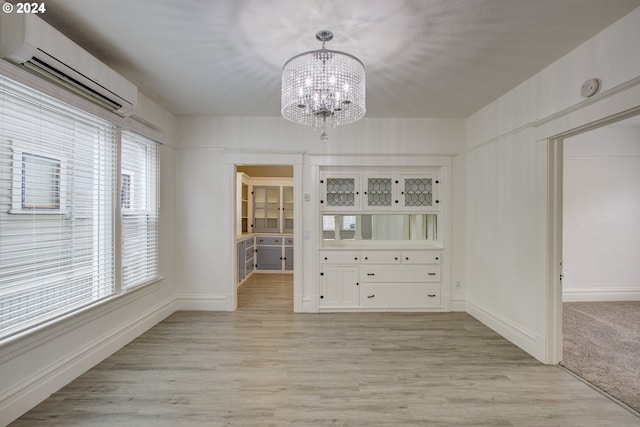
<point x="602" y="345"/>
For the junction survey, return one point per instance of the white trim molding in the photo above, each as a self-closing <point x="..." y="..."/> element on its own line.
<point x="581" y="295"/>
<point x="517" y="334"/>
<point x="203" y="302"/>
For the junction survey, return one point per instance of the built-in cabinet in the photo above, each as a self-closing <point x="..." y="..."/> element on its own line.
<point x="274" y="253"/>
<point x="272" y="209"/>
<point x="382" y="245"/>
<point x="383" y="279"/>
<point x="245" y="258"/>
<point x="379" y="192"/>
<point x="265" y="216"/>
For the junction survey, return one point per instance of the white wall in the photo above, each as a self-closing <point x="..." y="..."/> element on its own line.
<point x="34" y="366"/>
<point x="601" y="224"/>
<point x="210" y="145"/>
<point x="507" y="171"/>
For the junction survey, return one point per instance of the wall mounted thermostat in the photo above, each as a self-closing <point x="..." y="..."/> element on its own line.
<point x="590" y="87"/>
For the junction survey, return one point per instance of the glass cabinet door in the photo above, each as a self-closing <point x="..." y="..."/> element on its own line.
<point x="379" y="192"/>
<point x="266" y="209"/>
<point x="419" y="192"/>
<point x="340" y="193"/>
<point x="287" y="209"/>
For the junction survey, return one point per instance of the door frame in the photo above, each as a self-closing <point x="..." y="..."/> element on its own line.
<point x="263" y="159"/>
<point x="553" y="349"/>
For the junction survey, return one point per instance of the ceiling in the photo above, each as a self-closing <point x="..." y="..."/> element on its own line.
<point x="424" y="58"/>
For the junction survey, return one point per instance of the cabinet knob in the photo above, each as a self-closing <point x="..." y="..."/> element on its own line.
<point x="365" y="192"/>
<point x="356" y="258"/>
<point x="437" y="258"/>
<point x="281" y="258"/>
<point x="437" y="182"/>
<point x="437" y="201"/>
<point x="321" y="181"/>
<point x="322" y="274"/>
<point x="396" y="201"/>
<point x="357" y="192"/>
<point x="406" y="258"/>
<point x="321" y="201"/>
<point x="357" y="284"/>
<point x="321" y="296"/>
<point x="396" y="258"/>
<point x="325" y="258"/>
<point x="366" y="257"/>
<point x="396" y="181"/>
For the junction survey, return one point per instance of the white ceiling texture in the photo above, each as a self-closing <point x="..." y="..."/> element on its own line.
<point x="424" y="58"/>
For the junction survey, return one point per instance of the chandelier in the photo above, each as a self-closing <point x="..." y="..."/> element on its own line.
<point x="323" y="88"/>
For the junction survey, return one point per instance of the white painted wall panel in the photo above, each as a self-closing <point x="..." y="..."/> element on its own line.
<point x="601" y="234"/>
<point x="507" y="179"/>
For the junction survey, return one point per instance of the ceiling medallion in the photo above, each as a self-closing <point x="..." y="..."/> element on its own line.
<point x="323" y="88"/>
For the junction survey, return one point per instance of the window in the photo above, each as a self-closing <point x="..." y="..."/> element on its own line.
<point x="139" y="209"/>
<point x="54" y="159"/>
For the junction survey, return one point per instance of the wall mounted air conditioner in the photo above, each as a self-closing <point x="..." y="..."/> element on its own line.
<point x="27" y="40"/>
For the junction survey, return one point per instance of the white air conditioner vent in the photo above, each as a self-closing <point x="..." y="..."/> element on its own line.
<point x="27" y="40"/>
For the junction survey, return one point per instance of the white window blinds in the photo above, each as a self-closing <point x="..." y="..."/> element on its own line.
<point x="57" y="184"/>
<point x="139" y="209"/>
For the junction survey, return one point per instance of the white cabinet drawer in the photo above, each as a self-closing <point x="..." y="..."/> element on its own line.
<point x="400" y="273"/>
<point x="421" y="257"/>
<point x="381" y="257"/>
<point x="404" y="295"/>
<point x="339" y="257"/>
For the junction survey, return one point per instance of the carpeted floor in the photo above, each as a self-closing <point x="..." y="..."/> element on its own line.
<point x="602" y="345"/>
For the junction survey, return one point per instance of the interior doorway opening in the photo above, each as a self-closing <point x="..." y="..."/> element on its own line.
<point x="595" y="213"/>
<point x="265" y="243"/>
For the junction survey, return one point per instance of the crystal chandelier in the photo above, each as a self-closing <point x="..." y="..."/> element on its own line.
<point x="323" y="88"/>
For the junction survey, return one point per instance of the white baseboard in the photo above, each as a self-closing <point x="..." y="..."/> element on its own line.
<point x="201" y="302"/>
<point x="40" y="385"/>
<point x="517" y="334"/>
<point x="458" y="304"/>
<point x="570" y="295"/>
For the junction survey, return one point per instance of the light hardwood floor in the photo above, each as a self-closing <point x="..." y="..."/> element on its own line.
<point x="271" y="367"/>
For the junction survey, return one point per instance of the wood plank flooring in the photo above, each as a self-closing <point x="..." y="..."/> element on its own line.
<point x="259" y="367"/>
<point x="266" y="291"/>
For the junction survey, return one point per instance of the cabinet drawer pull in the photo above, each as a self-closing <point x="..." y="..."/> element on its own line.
<point x="432" y="274"/>
<point x="371" y="296"/>
<point x="371" y="274"/>
<point x="431" y="295"/>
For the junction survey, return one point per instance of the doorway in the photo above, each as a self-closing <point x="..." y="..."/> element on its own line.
<point x="265" y="237"/>
<point x="597" y="246"/>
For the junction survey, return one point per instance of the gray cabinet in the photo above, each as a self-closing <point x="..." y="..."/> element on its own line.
<point x="288" y="257"/>
<point x="274" y="253"/>
<point x="245" y="255"/>
<point x="269" y="253"/>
